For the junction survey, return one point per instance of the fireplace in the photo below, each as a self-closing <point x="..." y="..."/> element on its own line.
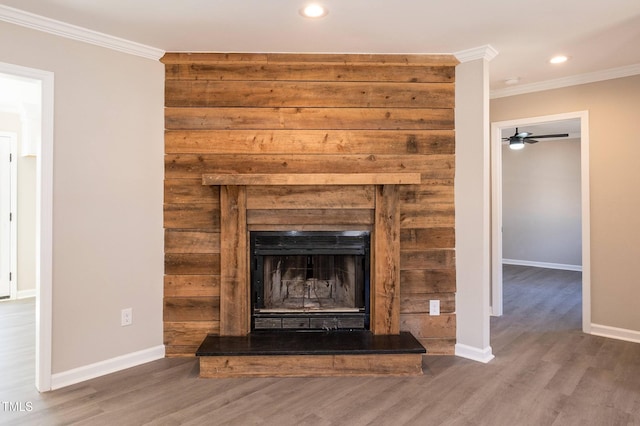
<point x="313" y="280"/>
<point x="274" y="285"/>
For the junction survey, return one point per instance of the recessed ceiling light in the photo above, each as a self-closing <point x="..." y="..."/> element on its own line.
<point x="512" y="80"/>
<point x="314" y="10"/>
<point x="558" y="59"/>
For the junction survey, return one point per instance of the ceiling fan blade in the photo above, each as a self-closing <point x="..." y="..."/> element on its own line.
<point x="527" y="140"/>
<point x="558" y="135"/>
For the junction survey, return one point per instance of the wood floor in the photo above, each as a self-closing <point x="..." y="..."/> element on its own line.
<point x="546" y="372"/>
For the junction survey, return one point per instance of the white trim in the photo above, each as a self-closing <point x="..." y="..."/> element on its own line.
<point x="496" y="202"/>
<point x="91" y="371"/>
<point x="573" y="80"/>
<point x="481" y="355"/>
<point x="546" y="265"/>
<point x="585" y="204"/>
<point x="487" y="52"/>
<point x="14" y="221"/>
<point x="496" y="223"/>
<point x="13" y="226"/>
<point x="44" y="224"/>
<point x="26" y="294"/>
<point x="615" y="333"/>
<point x="44" y="245"/>
<point x="74" y="32"/>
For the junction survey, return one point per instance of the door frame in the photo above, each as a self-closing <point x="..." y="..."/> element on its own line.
<point x="13" y="226"/>
<point x="44" y="223"/>
<point x="496" y="207"/>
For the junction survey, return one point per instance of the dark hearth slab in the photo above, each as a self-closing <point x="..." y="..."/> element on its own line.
<point x="310" y="343"/>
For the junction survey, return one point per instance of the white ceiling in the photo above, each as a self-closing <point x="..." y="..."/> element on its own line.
<point x="598" y="35"/>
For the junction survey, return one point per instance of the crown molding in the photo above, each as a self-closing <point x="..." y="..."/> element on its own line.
<point x="487" y="52"/>
<point x="574" y="80"/>
<point x="62" y="29"/>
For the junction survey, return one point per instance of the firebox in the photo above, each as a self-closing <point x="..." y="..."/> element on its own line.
<point x="312" y="280"/>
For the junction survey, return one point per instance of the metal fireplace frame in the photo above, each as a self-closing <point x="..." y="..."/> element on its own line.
<point x="301" y="243"/>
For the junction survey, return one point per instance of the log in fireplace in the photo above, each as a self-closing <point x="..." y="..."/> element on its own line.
<point x="313" y="280"/>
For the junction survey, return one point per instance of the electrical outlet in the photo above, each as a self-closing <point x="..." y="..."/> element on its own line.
<point x="434" y="307"/>
<point x="126" y="317"/>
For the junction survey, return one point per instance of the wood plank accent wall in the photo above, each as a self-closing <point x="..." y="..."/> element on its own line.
<point x="296" y="113"/>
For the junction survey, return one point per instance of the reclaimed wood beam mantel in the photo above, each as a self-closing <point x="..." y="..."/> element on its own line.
<point x="312" y="179"/>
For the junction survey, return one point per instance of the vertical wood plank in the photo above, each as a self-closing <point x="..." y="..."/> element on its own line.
<point x="385" y="306"/>
<point x="234" y="291"/>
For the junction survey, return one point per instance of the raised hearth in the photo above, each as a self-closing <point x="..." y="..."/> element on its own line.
<point x="309" y="354"/>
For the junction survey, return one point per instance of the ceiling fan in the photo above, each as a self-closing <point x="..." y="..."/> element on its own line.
<point x="518" y="140"/>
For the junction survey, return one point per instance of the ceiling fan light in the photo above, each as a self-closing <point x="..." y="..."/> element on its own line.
<point x="516" y="144"/>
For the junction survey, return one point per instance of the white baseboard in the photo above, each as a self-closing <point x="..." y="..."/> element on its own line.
<point x="481" y="355"/>
<point x="25" y="294"/>
<point x="615" y="333"/>
<point x="547" y="265"/>
<point x="91" y="371"/>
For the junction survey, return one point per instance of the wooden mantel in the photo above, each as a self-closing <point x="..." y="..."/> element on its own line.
<point x="312" y="179"/>
<point x="234" y="273"/>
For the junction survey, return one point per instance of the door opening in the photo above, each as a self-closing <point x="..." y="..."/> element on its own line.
<point x="497" y="205"/>
<point x="43" y="149"/>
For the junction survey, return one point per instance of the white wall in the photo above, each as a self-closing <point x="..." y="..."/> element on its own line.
<point x="472" y="210"/>
<point x="541" y="203"/>
<point x="107" y="195"/>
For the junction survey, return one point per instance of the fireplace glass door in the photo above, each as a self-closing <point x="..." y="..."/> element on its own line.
<point x="310" y="280"/>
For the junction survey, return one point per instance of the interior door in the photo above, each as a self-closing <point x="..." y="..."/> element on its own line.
<point x="5" y="219"/>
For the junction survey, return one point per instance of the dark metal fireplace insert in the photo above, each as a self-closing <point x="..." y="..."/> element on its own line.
<point x="313" y="280"/>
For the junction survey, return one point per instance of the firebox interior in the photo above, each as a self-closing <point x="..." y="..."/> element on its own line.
<point x="310" y="280"/>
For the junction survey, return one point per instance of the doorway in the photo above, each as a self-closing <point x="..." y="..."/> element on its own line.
<point x="497" y="206"/>
<point x="43" y="148"/>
